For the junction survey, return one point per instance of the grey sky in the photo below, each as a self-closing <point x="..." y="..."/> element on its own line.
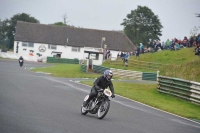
<point x="177" y="16"/>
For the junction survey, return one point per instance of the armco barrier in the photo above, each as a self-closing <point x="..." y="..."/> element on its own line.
<point x="99" y="69"/>
<point x="149" y="76"/>
<point x="83" y="68"/>
<point x="185" y="89"/>
<point x="62" y="60"/>
<point x="128" y="74"/>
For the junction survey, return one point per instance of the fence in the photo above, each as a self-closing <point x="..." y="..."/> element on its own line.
<point x="127" y="73"/>
<point x="83" y="68"/>
<point x="62" y="60"/>
<point x="137" y="64"/>
<point x="99" y="69"/>
<point x="185" y="89"/>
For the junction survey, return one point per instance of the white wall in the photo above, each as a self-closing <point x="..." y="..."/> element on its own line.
<point x="66" y="52"/>
<point x="100" y="61"/>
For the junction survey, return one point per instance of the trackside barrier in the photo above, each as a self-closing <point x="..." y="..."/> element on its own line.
<point x="99" y="69"/>
<point x="149" y="76"/>
<point x="83" y="68"/>
<point x="127" y="73"/>
<point x="62" y="60"/>
<point x="184" y="89"/>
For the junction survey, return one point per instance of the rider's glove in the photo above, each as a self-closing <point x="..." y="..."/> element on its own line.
<point x="113" y="95"/>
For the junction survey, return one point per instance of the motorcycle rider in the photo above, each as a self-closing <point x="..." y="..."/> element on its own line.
<point x="21" y="61"/>
<point x="100" y="84"/>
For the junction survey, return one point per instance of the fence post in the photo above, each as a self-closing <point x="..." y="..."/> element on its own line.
<point x="158" y="74"/>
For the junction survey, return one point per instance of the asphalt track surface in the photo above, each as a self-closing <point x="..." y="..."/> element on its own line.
<point x="38" y="103"/>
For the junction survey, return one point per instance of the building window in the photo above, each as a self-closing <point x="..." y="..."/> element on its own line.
<point x="94" y="56"/>
<point x="52" y="46"/>
<point x="27" y="44"/>
<point x="76" y="49"/>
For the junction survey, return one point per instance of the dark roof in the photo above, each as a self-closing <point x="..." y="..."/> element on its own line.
<point x="51" y="34"/>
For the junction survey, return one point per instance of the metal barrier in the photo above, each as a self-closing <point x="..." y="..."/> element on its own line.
<point x="137" y="64"/>
<point x="127" y="73"/>
<point x="62" y="60"/>
<point x="185" y="89"/>
<point x="149" y="76"/>
<point x="83" y="68"/>
<point x="99" y="69"/>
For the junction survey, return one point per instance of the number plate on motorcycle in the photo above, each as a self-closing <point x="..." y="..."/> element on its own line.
<point x="107" y="92"/>
<point x="86" y="98"/>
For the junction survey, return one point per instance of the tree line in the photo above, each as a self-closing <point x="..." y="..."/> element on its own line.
<point x="140" y="25"/>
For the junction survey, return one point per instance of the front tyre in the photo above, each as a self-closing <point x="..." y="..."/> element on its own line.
<point x="83" y="111"/>
<point x="103" y="109"/>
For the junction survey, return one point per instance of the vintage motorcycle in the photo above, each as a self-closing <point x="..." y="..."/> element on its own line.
<point x="21" y="62"/>
<point x="98" y="105"/>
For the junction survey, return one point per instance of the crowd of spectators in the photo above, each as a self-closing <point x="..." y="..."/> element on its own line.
<point x="157" y="46"/>
<point x="173" y="44"/>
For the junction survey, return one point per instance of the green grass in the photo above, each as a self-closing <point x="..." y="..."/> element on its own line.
<point x="178" y="57"/>
<point x="148" y="94"/>
<point x="179" y="64"/>
<point x="66" y="70"/>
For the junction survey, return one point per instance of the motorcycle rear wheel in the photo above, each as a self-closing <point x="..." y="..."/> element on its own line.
<point x="103" y="109"/>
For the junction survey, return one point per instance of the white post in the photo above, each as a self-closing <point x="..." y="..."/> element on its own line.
<point x="158" y="74"/>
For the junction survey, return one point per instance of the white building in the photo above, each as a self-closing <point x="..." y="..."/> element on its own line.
<point x="35" y="41"/>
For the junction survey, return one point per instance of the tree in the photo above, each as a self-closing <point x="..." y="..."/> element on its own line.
<point x="198" y="15"/>
<point x="59" y="24"/>
<point x="65" y="17"/>
<point x="3" y="33"/>
<point x="194" y="31"/>
<point x="141" y="25"/>
<point x="10" y="25"/>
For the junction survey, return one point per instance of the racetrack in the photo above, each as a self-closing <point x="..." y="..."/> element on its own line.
<point x="38" y="103"/>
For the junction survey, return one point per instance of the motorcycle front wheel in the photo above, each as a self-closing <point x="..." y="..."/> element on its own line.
<point x="103" y="109"/>
<point x="83" y="111"/>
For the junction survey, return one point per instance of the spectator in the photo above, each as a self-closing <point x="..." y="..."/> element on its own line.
<point x="141" y="48"/>
<point x="125" y="59"/>
<point x="172" y="45"/>
<point x="167" y="44"/>
<point x="119" y="54"/>
<point x="185" y="42"/>
<point x="197" y="50"/>
<point x="159" y="49"/>
<point x="163" y="45"/>
<point x="138" y="51"/>
<point x="159" y="44"/>
<point x="198" y="39"/>
<point x="191" y="41"/>
<point x="177" y="46"/>
<point x="122" y="54"/>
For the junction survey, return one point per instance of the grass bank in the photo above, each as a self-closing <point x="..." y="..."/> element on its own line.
<point x="179" y="64"/>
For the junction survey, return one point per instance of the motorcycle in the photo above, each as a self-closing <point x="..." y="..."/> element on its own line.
<point x="21" y="63"/>
<point x="98" y="105"/>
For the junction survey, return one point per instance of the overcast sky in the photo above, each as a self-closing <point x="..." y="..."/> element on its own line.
<point x="177" y="16"/>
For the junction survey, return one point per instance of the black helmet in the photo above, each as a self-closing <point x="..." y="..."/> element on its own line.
<point x="108" y="73"/>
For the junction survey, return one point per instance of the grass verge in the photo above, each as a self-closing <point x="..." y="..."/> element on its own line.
<point x="148" y="94"/>
<point x="66" y="70"/>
